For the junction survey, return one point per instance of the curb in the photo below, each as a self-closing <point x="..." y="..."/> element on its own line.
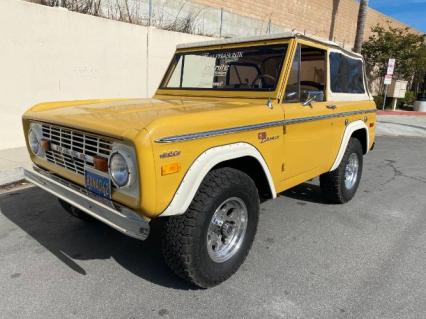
<point x="14" y="186"/>
<point x="406" y="113"/>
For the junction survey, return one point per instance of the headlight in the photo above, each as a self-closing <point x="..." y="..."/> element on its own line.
<point x="35" y="135"/>
<point x="123" y="170"/>
<point x="121" y="167"/>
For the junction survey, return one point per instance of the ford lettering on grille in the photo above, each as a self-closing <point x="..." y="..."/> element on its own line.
<point x="72" y="153"/>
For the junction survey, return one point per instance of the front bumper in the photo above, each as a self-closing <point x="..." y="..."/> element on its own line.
<point x="113" y="214"/>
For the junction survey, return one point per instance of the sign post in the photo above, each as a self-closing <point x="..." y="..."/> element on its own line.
<point x="388" y="79"/>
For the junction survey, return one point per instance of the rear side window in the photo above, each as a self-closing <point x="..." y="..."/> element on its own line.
<point x="346" y="74"/>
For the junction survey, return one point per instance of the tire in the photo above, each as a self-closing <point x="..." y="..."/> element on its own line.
<point x="339" y="187"/>
<point x="74" y="211"/>
<point x="194" y="244"/>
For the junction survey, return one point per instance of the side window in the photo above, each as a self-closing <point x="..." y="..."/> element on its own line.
<point x="346" y="74"/>
<point x="307" y="76"/>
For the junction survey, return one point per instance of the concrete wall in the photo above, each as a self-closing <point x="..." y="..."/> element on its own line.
<point x="49" y="54"/>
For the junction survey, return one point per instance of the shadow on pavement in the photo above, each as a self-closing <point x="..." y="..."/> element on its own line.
<point x="40" y="215"/>
<point x="306" y="192"/>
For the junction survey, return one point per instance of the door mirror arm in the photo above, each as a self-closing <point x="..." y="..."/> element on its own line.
<point x="309" y="101"/>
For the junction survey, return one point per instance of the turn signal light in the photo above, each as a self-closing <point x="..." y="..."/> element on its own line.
<point x="372" y="124"/>
<point x="170" y="169"/>
<point x="45" y="144"/>
<point x="101" y="164"/>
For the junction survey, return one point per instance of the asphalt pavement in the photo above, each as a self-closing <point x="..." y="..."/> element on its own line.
<point x="310" y="259"/>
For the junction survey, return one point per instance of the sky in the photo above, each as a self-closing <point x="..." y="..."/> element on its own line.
<point x="411" y="12"/>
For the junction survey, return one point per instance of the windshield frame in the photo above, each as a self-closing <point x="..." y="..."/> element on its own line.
<point x="226" y="92"/>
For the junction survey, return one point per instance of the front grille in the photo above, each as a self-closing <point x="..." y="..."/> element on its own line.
<point x="74" y="149"/>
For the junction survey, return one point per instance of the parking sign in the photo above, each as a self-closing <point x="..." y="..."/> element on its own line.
<point x="388" y="79"/>
<point x="391" y="66"/>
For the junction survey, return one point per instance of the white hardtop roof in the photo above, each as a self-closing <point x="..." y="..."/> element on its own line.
<point x="284" y="35"/>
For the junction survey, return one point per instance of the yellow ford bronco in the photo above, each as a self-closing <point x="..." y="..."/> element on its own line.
<point x="234" y="122"/>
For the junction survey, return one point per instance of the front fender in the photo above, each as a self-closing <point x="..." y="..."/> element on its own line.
<point x="202" y="165"/>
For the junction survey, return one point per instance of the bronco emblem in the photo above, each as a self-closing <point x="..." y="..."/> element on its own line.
<point x="263" y="137"/>
<point x="170" y="154"/>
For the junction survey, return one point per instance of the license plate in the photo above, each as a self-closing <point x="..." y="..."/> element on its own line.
<point x="97" y="183"/>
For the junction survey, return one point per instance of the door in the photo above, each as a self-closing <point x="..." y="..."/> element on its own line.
<point x="307" y="120"/>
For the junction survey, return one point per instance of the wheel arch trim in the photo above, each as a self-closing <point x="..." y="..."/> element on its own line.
<point x="203" y="164"/>
<point x="350" y="129"/>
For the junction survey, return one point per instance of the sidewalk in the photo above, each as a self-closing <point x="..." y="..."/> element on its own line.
<point x="401" y="125"/>
<point x="13" y="160"/>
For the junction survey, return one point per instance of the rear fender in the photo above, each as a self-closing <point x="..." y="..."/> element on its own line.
<point x="350" y="129"/>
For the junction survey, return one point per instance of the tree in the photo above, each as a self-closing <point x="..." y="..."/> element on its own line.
<point x="336" y="4"/>
<point x="362" y="16"/>
<point x="408" y="49"/>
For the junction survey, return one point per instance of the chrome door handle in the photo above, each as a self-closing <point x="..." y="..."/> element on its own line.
<point x="332" y="106"/>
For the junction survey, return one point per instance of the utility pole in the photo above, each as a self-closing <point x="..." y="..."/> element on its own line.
<point x="150" y="13"/>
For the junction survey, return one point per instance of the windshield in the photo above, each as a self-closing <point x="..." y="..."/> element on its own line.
<point x="247" y="69"/>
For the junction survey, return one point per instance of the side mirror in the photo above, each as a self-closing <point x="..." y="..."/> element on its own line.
<point x="309" y="100"/>
<point x="313" y="96"/>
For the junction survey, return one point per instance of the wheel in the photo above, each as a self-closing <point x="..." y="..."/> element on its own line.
<point x="207" y="244"/>
<point x="74" y="211"/>
<point x="340" y="185"/>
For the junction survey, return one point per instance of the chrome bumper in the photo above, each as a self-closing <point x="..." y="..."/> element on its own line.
<point x="115" y="215"/>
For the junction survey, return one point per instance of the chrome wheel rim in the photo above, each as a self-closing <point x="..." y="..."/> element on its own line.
<point x="351" y="171"/>
<point x="227" y="229"/>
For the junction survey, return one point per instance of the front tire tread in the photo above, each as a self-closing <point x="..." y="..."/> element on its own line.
<point x="180" y="232"/>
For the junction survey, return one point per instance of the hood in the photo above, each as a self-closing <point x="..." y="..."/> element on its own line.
<point x="121" y="117"/>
